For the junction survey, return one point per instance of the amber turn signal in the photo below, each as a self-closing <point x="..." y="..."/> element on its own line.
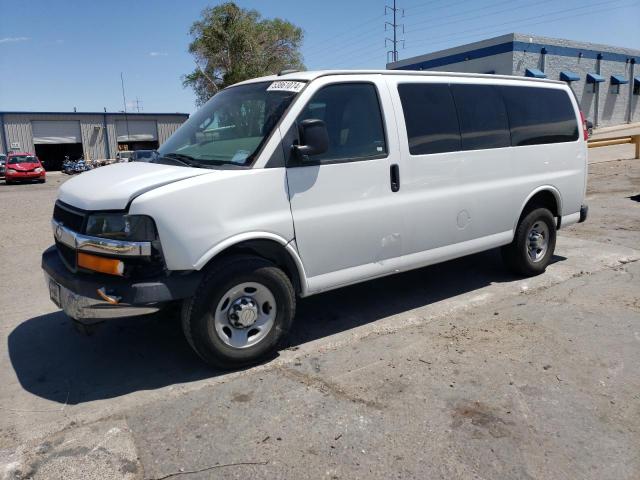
<point x="110" y="266"/>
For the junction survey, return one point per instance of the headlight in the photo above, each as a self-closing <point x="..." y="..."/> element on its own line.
<point x="118" y="226"/>
<point x="38" y="170"/>
<point x="11" y="170"/>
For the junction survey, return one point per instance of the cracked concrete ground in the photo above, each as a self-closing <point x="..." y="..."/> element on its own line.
<point x="454" y="371"/>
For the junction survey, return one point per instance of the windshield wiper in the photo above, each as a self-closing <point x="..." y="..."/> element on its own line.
<point x="179" y="158"/>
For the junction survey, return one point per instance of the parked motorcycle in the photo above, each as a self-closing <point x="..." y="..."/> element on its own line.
<point x="80" y="166"/>
<point x="68" y="166"/>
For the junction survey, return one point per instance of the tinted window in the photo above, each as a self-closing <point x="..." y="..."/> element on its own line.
<point x="352" y="114"/>
<point x="430" y="116"/>
<point x="482" y="116"/>
<point x="539" y="115"/>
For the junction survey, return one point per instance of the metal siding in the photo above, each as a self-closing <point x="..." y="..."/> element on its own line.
<point x="111" y="130"/>
<point x="167" y="126"/>
<point x="18" y="129"/>
<point x="3" y="134"/>
<point x="92" y="137"/>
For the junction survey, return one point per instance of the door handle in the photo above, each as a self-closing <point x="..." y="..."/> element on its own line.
<point x="395" y="177"/>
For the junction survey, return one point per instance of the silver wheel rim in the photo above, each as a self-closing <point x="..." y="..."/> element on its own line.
<point x="538" y="241"/>
<point x="245" y="315"/>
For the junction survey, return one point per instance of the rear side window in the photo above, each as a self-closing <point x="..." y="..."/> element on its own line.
<point x="482" y="116"/>
<point x="539" y="115"/>
<point x="430" y="117"/>
<point x="351" y="112"/>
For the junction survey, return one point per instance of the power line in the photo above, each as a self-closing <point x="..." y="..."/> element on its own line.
<point x="456" y="37"/>
<point x="488" y="14"/>
<point x="465" y="13"/>
<point x="339" y="38"/>
<point x="363" y="36"/>
<point x="422" y="4"/>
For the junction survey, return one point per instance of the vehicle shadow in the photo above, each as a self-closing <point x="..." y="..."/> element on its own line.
<point x="53" y="361"/>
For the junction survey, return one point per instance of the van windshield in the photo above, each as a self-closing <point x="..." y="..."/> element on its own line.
<point x="231" y="127"/>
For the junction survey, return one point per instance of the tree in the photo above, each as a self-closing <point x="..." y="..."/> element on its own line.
<point x="231" y="44"/>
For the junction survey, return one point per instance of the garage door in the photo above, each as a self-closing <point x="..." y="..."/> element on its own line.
<point x="136" y="130"/>
<point x="54" y="131"/>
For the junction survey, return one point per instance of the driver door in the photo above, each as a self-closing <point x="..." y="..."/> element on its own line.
<point x="347" y="217"/>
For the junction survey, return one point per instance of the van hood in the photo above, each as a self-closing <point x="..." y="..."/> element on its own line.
<point x="114" y="186"/>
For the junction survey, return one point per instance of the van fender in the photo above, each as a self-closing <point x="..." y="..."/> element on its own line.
<point x="541" y="188"/>
<point x="288" y="245"/>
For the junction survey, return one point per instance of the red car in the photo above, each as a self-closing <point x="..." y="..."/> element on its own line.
<point x="22" y="166"/>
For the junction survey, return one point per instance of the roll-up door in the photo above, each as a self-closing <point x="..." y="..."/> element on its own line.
<point x="136" y="130"/>
<point x="55" y="131"/>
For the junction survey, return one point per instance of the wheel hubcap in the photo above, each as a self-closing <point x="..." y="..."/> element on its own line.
<point x="538" y="241"/>
<point x="245" y="315"/>
<point x="243" y="312"/>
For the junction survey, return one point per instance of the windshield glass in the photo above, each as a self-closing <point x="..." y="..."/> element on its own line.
<point x="232" y="126"/>
<point x="22" y="159"/>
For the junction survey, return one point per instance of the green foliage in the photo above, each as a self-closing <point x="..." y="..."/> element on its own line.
<point x="231" y="44"/>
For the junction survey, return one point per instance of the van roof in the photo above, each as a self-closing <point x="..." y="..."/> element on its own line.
<point x="312" y="75"/>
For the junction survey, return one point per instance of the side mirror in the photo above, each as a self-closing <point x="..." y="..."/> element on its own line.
<point x="314" y="138"/>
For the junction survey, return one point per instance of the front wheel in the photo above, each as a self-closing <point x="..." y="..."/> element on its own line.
<point x="239" y="314"/>
<point x="533" y="244"/>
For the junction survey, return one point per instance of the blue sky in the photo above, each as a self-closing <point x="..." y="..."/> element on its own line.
<point x="56" y="55"/>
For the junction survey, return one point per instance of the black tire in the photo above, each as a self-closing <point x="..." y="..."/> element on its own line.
<point x="516" y="255"/>
<point x="198" y="319"/>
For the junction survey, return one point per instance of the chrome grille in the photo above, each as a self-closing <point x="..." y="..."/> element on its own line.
<point x="69" y="217"/>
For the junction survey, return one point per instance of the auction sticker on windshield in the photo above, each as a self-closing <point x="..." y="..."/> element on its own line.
<point x="286" y="86"/>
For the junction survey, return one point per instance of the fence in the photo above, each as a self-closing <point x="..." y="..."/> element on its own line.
<point x="635" y="139"/>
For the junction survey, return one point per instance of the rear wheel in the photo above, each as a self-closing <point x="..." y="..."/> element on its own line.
<point x="533" y="244"/>
<point x="239" y="314"/>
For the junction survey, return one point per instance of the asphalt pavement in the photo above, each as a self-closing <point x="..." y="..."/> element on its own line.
<point x="459" y="370"/>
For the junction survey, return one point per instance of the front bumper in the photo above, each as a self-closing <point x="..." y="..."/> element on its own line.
<point x="25" y="176"/>
<point x="78" y="294"/>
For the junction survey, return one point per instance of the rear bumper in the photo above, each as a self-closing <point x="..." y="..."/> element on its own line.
<point x="584" y="212"/>
<point x="78" y="294"/>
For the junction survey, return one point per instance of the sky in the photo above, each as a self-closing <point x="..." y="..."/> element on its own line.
<point x="57" y="55"/>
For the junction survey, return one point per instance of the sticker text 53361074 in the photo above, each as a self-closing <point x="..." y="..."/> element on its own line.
<point x="286" y="86"/>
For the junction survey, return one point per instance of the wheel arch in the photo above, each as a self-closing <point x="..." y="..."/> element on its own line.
<point x="547" y="196"/>
<point x="266" y="245"/>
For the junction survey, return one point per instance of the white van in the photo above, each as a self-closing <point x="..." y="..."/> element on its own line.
<point x="297" y="184"/>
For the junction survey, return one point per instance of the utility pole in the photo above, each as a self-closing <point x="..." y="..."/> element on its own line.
<point x="124" y="102"/>
<point x="394" y="41"/>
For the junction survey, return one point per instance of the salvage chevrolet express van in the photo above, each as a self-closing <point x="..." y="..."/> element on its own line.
<point x="287" y="186"/>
